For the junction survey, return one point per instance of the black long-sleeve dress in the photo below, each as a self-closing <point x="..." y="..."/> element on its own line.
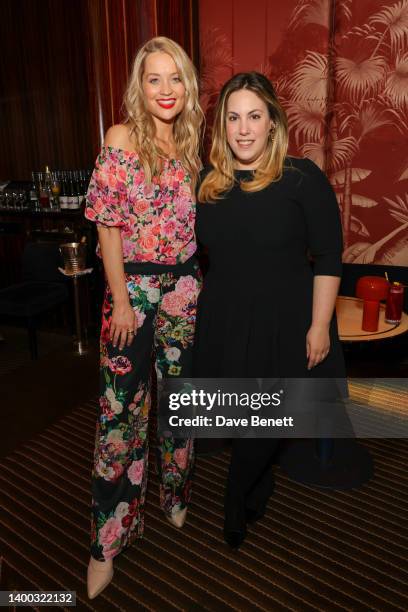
<point x="255" y="308"/>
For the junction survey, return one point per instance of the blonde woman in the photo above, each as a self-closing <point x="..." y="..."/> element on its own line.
<point x="141" y="196"/>
<point x="264" y="311"/>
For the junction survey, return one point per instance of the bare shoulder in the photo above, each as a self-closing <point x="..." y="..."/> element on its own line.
<point x="118" y="136"/>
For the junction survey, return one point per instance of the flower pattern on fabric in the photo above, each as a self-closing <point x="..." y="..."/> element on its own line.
<point x="156" y="220"/>
<point x="121" y="449"/>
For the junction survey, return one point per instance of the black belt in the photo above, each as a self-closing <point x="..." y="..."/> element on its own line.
<point x="149" y="268"/>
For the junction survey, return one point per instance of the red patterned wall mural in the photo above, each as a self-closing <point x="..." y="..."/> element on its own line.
<point x="340" y="68"/>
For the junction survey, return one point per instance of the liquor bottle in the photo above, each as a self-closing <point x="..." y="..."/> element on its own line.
<point x="84" y="184"/>
<point x="42" y="190"/>
<point x="80" y="184"/>
<point x="34" y="202"/>
<point x="63" y="195"/>
<point x="47" y="187"/>
<point x="74" y="195"/>
<point x="76" y="192"/>
<point x="69" y="190"/>
<point x="56" y="188"/>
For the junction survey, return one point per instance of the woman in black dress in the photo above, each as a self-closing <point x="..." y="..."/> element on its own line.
<point x="266" y="310"/>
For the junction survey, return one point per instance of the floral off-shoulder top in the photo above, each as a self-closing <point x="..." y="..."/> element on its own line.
<point x="156" y="220"/>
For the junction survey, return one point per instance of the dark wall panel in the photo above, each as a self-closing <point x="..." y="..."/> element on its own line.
<point x="178" y="19"/>
<point x="116" y="28"/>
<point x="64" y="65"/>
<point x="44" y="110"/>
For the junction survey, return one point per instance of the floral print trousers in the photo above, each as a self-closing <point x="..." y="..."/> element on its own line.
<point x="165" y="307"/>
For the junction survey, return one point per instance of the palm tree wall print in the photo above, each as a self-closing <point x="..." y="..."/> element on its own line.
<point x="340" y="68"/>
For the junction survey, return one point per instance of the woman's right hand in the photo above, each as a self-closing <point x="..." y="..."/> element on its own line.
<point x="123" y="325"/>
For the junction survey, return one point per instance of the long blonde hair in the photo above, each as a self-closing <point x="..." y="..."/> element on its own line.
<point x="221" y="178"/>
<point x="187" y="127"/>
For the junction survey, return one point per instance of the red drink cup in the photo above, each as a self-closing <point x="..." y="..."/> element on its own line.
<point x="395" y="299"/>
<point x="371" y="314"/>
<point x="371" y="289"/>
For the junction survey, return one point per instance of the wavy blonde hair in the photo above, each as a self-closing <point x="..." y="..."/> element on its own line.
<point x="187" y="126"/>
<point x="221" y="178"/>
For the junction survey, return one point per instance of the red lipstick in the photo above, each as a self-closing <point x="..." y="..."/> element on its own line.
<point x="166" y="102"/>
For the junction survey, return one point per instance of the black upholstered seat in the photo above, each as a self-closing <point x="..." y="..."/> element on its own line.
<point x="43" y="288"/>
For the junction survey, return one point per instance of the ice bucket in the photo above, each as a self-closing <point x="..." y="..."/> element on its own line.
<point x="74" y="256"/>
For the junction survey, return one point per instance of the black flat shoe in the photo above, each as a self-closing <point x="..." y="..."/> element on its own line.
<point x="234" y="539"/>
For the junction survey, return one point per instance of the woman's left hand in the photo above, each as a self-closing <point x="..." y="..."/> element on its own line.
<point x="317" y="344"/>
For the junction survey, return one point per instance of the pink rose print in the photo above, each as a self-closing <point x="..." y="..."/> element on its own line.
<point x="122" y="174"/>
<point x="191" y="249"/>
<point x="127" y="250"/>
<point x="156" y="220"/>
<point x="169" y="228"/>
<point x="120" y="365"/>
<point x="116" y="445"/>
<point x="121" y="187"/>
<point x="181" y="457"/>
<point x="141" y="206"/>
<point x="182" y="208"/>
<point x="98" y="205"/>
<point x="110" y="532"/>
<point x="135" y="472"/>
<point x="112" y="181"/>
<point x="166" y="214"/>
<point x="173" y="303"/>
<point x="140" y="317"/>
<point x="187" y="285"/>
<point x="155" y="229"/>
<point x="90" y="214"/>
<point x="147" y="239"/>
<point x="106" y="408"/>
<point x="150" y="219"/>
<point x="138" y="178"/>
<point x="148" y="190"/>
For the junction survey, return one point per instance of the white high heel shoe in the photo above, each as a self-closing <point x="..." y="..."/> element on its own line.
<point x="99" y="575"/>
<point x="177" y="518"/>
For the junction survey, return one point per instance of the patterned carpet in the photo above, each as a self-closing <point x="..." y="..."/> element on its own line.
<point x="315" y="550"/>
